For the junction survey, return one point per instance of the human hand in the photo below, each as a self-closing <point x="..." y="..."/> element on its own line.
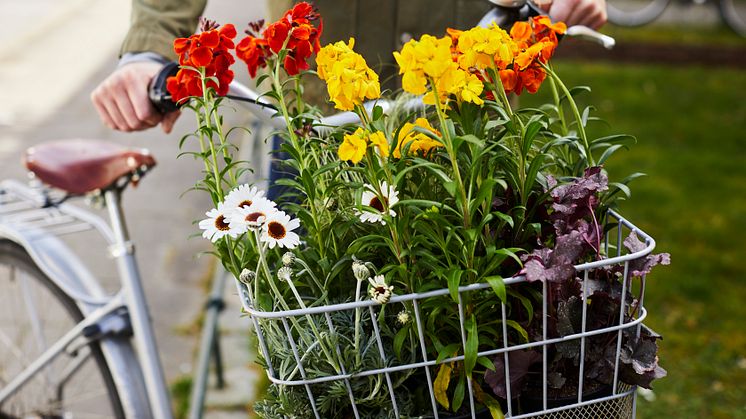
<point x="122" y="102"/>
<point x="591" y="13"/>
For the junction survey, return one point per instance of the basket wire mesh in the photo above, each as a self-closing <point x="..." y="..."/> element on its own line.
<point x="619" y="403"/>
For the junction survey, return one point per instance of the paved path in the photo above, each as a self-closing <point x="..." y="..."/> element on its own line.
<point x="52" y="55"/>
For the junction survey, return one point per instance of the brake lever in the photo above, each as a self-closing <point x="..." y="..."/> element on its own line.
<point x="584" y="32"/>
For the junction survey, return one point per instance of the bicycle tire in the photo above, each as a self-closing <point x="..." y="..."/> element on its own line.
<point x="13" y="257"/>
<point x="733" y="15"/>
<point x="634" y="13"/>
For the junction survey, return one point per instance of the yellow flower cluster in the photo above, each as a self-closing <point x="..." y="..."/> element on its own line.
<point x="355" y="145"/>
<point x="417" y="141"/>
<point x="349" y="80"/>
<point x="486" y="47"/>
<point x="430" y="60"/>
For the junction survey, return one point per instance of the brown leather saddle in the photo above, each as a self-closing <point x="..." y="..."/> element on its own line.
<point x="82" y="166"/>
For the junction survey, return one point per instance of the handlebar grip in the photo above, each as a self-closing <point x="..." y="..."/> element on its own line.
<point x="157" y="92"/>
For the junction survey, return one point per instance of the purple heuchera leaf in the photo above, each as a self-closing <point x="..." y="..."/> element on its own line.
<point x="520" y="361"/>
<point x="575" y="200"/>
<point x="556" y="265"/>
<point x="639" y="361"/>
<point x="643" y="265"/>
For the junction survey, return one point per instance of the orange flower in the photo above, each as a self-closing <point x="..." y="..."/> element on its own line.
<point x="521" y="31"/>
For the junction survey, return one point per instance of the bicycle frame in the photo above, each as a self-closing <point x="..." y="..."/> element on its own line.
<point x="24" y="220"/>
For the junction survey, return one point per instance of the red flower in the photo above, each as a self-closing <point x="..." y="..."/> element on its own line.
<point x="208" y="51"/>
<point x="296" y="32"/>
<point x="253" y="51"/>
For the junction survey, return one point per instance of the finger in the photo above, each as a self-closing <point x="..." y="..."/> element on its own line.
<point x="560" y="10"/>
<point x="103" y="113"/>
<point x="580" y="12"/>
<point x="123" y="103"/>
<point x="167" y="124"/>
<point x="596" y="17"/>
<point x="137" y="91"/>
<point x="108" y="103"/>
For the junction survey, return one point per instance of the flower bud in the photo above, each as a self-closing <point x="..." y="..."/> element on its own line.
<point x="285" y="274"/>
<point x="247" y="276"/>
<point x="360" y="271"/>
<point x="288" y="258"/>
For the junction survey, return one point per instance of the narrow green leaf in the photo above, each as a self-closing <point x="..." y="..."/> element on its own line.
<point x="498" y="285"/>
<point x="399" y="340"/>
<point x="459" y="392"/>
<point x="447" y="352"/>
<point x="472" y="346"/>
<point x="453" y="276"/>
<point x="485" y="362"/>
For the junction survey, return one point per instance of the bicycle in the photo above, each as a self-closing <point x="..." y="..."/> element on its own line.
<point x="642" y="12"/>
<point x="72" y="338"/>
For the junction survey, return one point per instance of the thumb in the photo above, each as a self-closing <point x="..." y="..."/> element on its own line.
<point x="167" y="124"/>
<point x="560" y="10"/>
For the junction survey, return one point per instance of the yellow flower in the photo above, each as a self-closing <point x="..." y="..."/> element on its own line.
<point x="379" y="140"/>
<point x="418" y="60"/>
<point x="465" y="86"/>
<point x="349" y="80"/>
<point x="480" y="46"/>
<point x="418" y="142"/>
<point x="353" y="147"/>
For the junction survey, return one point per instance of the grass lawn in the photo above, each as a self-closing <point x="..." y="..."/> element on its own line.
<point x="690" y="123"/>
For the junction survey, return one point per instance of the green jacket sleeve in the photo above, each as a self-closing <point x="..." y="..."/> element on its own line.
<point x="156" y="23"/>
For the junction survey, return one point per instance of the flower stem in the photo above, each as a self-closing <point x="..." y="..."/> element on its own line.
<point x="576" y="114"/>
<point x="452" y="155"/>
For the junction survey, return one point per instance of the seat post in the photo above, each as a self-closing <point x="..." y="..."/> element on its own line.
<point x="144" y="337"/>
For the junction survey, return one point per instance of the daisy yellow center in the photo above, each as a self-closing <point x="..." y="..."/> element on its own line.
<point x="254" y="216"/>
<point x="220" y="224"/>
<point x="276" y="230"/>
<point x="377" y="204"/>
<point x="246" y="203"/>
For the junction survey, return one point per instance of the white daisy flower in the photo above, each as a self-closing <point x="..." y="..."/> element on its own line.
<point x="403" y="317"/>
<point x="379" y="291"/>
<point x="288" y="259"/>
<point x="217" y="225"/>
<point x="379" y="204"/>
<point x="252" y="216"/>
<point x="277" y="230"/>
<point x="243" y="196"/>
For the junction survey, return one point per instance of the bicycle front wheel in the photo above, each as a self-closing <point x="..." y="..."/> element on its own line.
<point x="733" y="13"/>
<point x="634" y="12"/>
<point x="34" y="314"/>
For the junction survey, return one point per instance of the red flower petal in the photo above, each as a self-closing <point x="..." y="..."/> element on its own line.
<point x="201" y="56"/>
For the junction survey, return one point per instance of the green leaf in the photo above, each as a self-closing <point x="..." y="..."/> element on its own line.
<point x="608" y="152"/>
<point x="459" y="392"/>
<point x="518" y="328"/>
<point x="399" y="339"/>
<point x="450" y="187"/>
<point x="377" y="112"/>
<point x="498" y="285"/>
<point x="453" y="276"/>
<point x="485" y="362"/>
<point x="447" y="352"/>
<point x="472" y="346"/>
<point x="440" y="385"/>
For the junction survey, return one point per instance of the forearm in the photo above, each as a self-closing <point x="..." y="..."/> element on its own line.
<point x="155" y="24"/>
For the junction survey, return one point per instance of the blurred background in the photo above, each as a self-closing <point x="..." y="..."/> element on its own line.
<point x="676" y="84"/>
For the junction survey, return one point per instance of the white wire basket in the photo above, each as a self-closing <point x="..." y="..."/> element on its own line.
<point x="617" y="401"/>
